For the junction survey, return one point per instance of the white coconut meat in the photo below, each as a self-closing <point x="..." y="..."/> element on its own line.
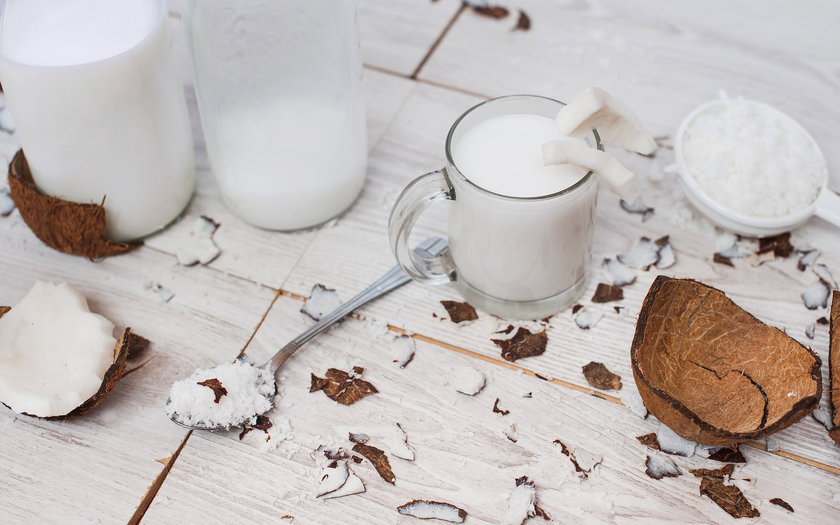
<point x="607" y="168"/>
<point x="822" y="415"/>
<point x="672" y="443"/>
<point x="433" y="510"/>
<point x="248" y="392"/>
<point x="199" y="246"/>
<point x="620" y="274"/>
<point x="322" y="300"/>
<point x="397" y="443"/>
<point x="644" y="255"/>
<point x="821" y="271"/>
<point x="7" y="123"/>
<point x="470" y="381"/>
<point x="658" y="467"/>
<point x="816" y="295"/>
<point x="586" y="319"/>
<point x="521" y="504"/>
<point x="616" y="123"/>
<point x="631" y="398"/>
<point x="54" y="351"/>
<point x="402" y="350"/>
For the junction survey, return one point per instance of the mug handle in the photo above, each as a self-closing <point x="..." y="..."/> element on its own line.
<point x="423" y="191"/>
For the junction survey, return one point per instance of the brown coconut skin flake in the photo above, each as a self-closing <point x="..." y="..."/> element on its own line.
<point x="69" y="227"/>
<point x="694" y="350"/>
<point x="339" y="386"/>
<point x="606" y="293"/>
<point x="522" y="344"/>
<point x="378" y="459"/>
<point x="459" y="312"/>
<point x="598" y="376"/>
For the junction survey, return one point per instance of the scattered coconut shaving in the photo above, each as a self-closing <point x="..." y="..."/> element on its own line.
<point x="816" y="295"/>
<point x="338" y="481"/>
<point x="358" y="437"/>
<point x="825" y="276"/>
<point x="649" y="440"/>
<point x="810" y="330"/>
<point x="402" y="350"/>
<point x="606" y="293"/>
<point x="523" y="343"/>
<point x="639" y="207"/>
<point x="598" y="376"/>
<point x="631" y="399"/>
<point x="582" y="460"/>
<point x="322" y="300"/>
<point x="511" y="433"/>
<point x="713" y="484"/>
<point x="7" y="123"/>
<point x="433" y="510"/>
<point x="199" y="247"/>
<point x="499" y="410"/>
<point x="620" y="274"/>
<point x="586" y="319"/>
<point x="459" y="312"/>
<point x="378" y="459"/>
<point x="659" y="466"/>
<point x="672" y="443"/>
<point x="522" y="503"/>
<point x="159" y="291"/>
<point x="733" y="246"/>
<point x="342" y="387"/>
<point x="69" y="227"/>
<point x="666" y="253"/>
<point x="470" y="381"/>
<point x="644" y="255"/>
<point x="823" y="416"/>
<point x="523" y="23"/>
<point x="807" y="259"/>
<point x="397" y="443"/>
<point x="782" y="503"/>
<point x="228" y="395"/>
<point x="721" y="259"/>
<point x="7" y="205"/>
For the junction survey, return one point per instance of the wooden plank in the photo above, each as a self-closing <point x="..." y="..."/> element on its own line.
<point x="97" y="467"/>
<point x="662" y="60"/>
<point x="462" y="455"/>
<point x="770" y="291"/>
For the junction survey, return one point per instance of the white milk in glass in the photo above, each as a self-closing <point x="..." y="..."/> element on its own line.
<point x="94" y="93"/>
<point x="529" y="247"/>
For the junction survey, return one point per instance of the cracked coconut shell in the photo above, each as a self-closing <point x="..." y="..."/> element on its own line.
<point x="715" y="374"/>
<point x="834" y="366"/>
<point x="69" y="227"/>
<point x="128" y="345"/>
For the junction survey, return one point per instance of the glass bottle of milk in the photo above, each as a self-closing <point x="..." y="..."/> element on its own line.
<point x="281" y="103"/>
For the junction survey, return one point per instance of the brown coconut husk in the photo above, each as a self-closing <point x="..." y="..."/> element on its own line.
<point x="834" y="366"/>
<point x="715" y="374"/>
<point x="127" y="345"/>
<point x="69" y="227"/>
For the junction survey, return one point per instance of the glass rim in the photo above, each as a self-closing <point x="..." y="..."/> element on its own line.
<point x="451" y="162"/>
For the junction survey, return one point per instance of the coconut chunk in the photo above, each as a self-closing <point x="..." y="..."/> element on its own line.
<point x="249" y="391"/>
<point x="810" y="330"/>
<point x="616" y="123"/>
<point x="631" y="398"/>
<point x="620" y="274"/>
<point x="666" y="254"/>
<point x="322" y="300"/>
<point x="644" y="255"/>
<point x="511" y="433"/>
<point x="586" y="319"/>
<point x="470" y="381"/>
<point x="807" y="259"/>
<point x="607" y="168"/>
<point x="823" y="416"/>
<point x="816" y="295"/>
<point x="672" y="443"/>
<point x="433" y="510"/>
<point x="353" y="485"/>
<point x="7" y="205"/>
<point x="332" y="478"/>
<point x="821" y="271"/>
<point x="199" y="247"/>
<point x="54" y="351"/>
<point x="522" y="503"/>
<point x="402" y="350"/>
<point x="659" y="467"/>
<point x="639" y="207"/>
<point x="397" y="443"/>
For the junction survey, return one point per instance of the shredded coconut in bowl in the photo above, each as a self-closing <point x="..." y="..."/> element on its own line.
<point x="225" y="396"/>
<point x="753" y="159"/>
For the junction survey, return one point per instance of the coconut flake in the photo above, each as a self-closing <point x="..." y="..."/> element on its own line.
<point x="322" y="300"/>
<point x="332" y="478"/>
<point x="249" y="392"/>
<point x="816" y="295"/>
<point x="511" y="433"/>
<point x="620" y="274"/>
<point x="639" y="207"/>
<point x="199" y="246"/>
<point x="821" y="270"/>
<point x="433" y="510"/>
<point x="739" y="248"/>
<point x="810" y="330"/>
<point x="402" y="350"/>
<point x="644" y="255"/>
<point x="397" y="443"/>
<point x="631" y="398"/>
<point x="807" y="259"/>
<point x="659" y="466"/>
<point x="823" y="416"/>
<point x="7" y="205"/>
<point x="666" y="254"/>
<point x="673" y="443"/>
<point x="470" y="381"/>
<point x="54" y="351"/>
<point x="7" y="123"/>
<point x="522" y="503"/>
<point x="586" y="319"/>
<point x="158" y="291"/>
<point x="353" y="485"/>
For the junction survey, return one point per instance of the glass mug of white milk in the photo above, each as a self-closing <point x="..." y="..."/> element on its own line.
<point x="94" y="93"/>
<point x="520" y="232"/>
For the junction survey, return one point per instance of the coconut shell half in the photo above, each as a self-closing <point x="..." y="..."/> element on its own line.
<point x="712" y="372"/>
<point x="834" y="366"/>
<point x="69" y="227"/>
<point x="128" y="345"/>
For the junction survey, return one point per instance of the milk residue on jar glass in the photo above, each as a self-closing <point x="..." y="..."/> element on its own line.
<point x="753" y="159"/>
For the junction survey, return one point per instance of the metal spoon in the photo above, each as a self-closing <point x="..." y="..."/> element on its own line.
<point x="429" y="252"/>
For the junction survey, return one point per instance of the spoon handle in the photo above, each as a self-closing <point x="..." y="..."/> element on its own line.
<point x="395" y="278"/>
<point x="828" y="206"/>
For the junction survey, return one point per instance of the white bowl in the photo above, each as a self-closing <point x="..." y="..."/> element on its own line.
<point x="827" y="204"/>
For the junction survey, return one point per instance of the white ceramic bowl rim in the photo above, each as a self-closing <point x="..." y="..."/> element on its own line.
<point x="747" y="222"/>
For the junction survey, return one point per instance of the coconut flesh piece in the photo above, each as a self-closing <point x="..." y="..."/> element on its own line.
<point x="54" y="351"/>
<point x="521" y="504"/>
<point x="247" y="392"/>
<point x="322" y="300"/>
<point x="470" y="381"/>
<point x="606" y="167"/>
<point x="433" y="510"/>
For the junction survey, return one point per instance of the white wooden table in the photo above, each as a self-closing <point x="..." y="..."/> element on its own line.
<point x="425" y="63"/>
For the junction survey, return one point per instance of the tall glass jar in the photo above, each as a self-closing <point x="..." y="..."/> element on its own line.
<point x="280" y="95"/>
